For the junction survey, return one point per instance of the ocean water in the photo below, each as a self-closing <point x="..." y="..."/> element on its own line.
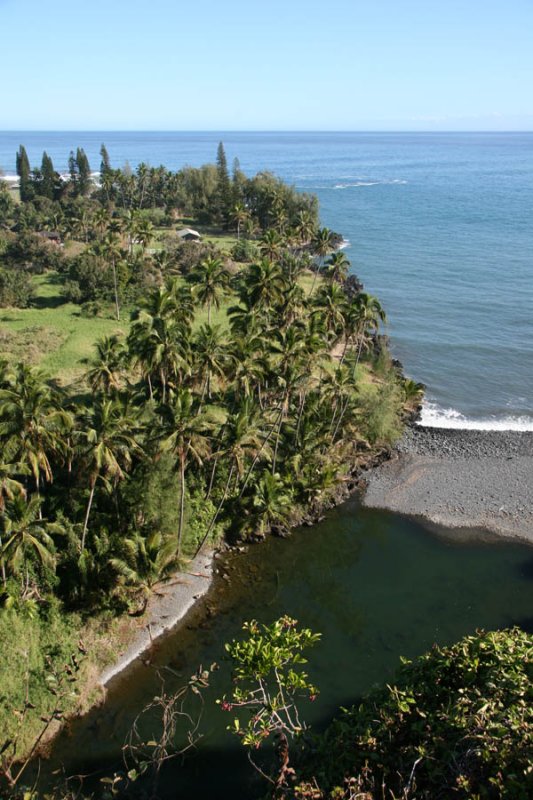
<point x="440" y="227"/>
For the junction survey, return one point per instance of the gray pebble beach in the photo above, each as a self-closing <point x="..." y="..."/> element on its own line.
<point x="460" y="479"/>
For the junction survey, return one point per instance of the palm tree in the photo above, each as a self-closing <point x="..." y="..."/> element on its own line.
<point x="10" y="488"/>
<point x="336" y="267"/>
<point x="210" y="355"/>
<point x="159" y="345"/>
<point x="262" y="284"/>
<point x="243" y="437"/>
<point x="9" y="485"/>
<point x="269" y="504"/>
<point x="322" y="244"/>
<point x="145" y="560"/>
<point x="292" y="304"/>
<point x="184" y="433"/>
<point x="32" y="422"/>
<point x="142" y="181"/>
<point x="112" y="252"/>
<point x="330" y="305"/>
<point x="239" y="215"/>
<point x="305" y="226"/>
<point x="81" y="223"/>
<point x="23" y="531"/>
<point x="107" y="446"/>
<point x="367" y="313"/>
<point x="248" y="363"/>
<point x="132" y="221"/>
<point x="144" y="234"/>
<point x="101" y="220"/>
<point x="105" y="372"/>
<point x="210" y="281"/>
<point x="271" y="245"/>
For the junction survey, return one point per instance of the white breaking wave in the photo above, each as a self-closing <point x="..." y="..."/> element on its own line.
<point x="344" y="244"/>
<point x="432" y="416"/>
<point x="367" y="182"/>
<point x="357" y="183"/>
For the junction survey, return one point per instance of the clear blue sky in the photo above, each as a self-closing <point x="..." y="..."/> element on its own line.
<point x="266" y="65"/>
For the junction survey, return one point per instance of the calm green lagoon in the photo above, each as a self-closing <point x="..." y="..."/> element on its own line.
<point x="376" y="585"/>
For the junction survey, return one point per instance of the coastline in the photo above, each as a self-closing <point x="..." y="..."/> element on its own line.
<point x="166" y="608"/>
<point x="461" y="479"/>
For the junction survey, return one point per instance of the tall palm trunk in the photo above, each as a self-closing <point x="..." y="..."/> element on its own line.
<point x="182" y="502"/>
<point x="300" y="414"/>
<point x="217" y="512"/>
<point x="256" y="459"/>
<point x="115" y="285"/>
<point x="284" y="404"/>
<point x="2" y="564"/>
<point x="87" y="513"/>
<point x="38" y="492"/>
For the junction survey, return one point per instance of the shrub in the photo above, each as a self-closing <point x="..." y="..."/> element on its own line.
<point x="458" y="722"/>
<point x="245" y="250"/>
<point x="15" y="288"/>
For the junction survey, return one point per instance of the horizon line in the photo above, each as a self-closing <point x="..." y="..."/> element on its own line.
<point x="255" y="130"/>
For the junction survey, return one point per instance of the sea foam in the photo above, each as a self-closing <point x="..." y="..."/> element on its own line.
<point x="369" y="182"/>
<point x="433" y="416"/>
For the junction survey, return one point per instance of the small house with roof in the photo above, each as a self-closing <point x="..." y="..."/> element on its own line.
<point x="188" y="235"/>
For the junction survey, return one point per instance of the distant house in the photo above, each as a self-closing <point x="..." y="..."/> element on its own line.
<point x="188" y="235"/>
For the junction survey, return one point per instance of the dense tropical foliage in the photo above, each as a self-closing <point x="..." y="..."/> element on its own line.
<point x="240" y="399"/>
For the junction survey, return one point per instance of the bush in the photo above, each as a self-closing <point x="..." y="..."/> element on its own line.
<point x="381" y="406"/>
<point x="15" y="288"/>
<point x="245" y="250"/>
<point x="458" y="722"/>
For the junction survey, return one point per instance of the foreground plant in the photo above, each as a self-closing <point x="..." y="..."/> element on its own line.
<point x="268" y="681"/>
<point x="456" y="723"/>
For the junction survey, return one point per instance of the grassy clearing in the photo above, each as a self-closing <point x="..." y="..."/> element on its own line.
<point x="52" y="333"/>
<point x="55" y="336"/>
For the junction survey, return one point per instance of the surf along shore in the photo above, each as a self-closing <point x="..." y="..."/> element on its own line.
<point x="461" y="479"/>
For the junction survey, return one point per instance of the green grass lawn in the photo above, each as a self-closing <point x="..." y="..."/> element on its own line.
<point x="52" y="333"/>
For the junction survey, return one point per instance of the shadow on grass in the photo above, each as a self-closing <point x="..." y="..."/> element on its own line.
<point x="10" y="318"/>
<point x="54" y="282"/>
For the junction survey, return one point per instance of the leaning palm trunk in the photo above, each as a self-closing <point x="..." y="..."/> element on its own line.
<point x="2" y="564"/>
<point x="316" y="270"/>
<point x="256" y="459"/>
<point x="215" y="463"/>
<point x="346" y="343"/>
<point x="217" y="512"/>
<point x="87" y="513"/>
<point x="285" y="404"/>
<point x="344" y="408"/>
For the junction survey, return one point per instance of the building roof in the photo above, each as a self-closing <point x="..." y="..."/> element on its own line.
<point x="188" y="232"/>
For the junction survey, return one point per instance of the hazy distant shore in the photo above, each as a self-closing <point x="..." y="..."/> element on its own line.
<point x="460" y="479"/>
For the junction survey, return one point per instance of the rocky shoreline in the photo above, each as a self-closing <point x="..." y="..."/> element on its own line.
<point x="460" y="479"/>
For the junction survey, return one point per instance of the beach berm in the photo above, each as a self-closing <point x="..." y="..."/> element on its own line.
<point x="463" y="479"/>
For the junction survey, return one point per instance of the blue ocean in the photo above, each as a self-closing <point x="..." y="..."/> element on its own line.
<point x="439" y="226"/>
